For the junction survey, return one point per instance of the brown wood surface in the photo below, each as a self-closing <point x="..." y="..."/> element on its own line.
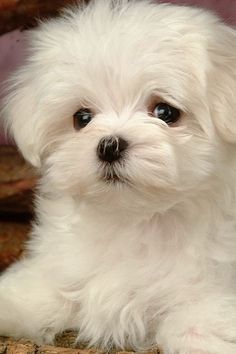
<point x="22" y="346"/>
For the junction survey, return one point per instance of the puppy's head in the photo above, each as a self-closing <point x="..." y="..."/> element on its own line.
<point x="128" y="100"/>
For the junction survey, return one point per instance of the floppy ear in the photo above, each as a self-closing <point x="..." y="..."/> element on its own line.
<point x="222" y="81"/>
<point x="19" y="110"/>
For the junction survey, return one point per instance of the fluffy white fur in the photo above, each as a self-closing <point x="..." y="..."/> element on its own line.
<point x="150" y="261"/>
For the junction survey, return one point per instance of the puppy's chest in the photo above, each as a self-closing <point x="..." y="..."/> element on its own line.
<point x="107" y="261"/>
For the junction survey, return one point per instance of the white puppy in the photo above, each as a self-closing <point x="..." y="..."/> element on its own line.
<point x="128" y="110"/>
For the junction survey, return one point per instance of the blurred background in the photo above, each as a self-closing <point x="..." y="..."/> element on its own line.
<point x="17" y="179"/>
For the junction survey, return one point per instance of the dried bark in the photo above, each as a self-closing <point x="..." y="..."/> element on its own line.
<point x="10" y="346"/>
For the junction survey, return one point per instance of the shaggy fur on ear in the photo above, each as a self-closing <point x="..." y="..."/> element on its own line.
<point x="222" y="81"/>
<point x="19" y="112"/>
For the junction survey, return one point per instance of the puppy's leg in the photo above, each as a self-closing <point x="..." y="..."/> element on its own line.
<point x="29" y="304"/>
<point x="206" y="326"/>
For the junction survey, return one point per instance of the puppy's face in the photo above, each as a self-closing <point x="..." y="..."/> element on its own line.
<point x="132" y="102"/>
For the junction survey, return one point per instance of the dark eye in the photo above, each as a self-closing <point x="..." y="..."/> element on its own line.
<point x="82" y="117"/>
<point x="166" y="113"/>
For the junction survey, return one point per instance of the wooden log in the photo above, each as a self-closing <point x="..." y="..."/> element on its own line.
<point x="22" y="346"/>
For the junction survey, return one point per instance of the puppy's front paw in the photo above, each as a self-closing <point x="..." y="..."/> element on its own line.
<point x="192" y="332"/>
<point x="204" y="344"/>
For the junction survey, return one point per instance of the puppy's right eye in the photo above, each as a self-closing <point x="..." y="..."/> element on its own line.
<point x="82" y="117"/>
<point x="166" y="113"/>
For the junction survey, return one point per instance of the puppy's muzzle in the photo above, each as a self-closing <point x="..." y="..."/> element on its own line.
<point x="111" y="148"/>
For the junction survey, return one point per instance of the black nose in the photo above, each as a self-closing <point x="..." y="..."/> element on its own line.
<point x="111" y="148"/>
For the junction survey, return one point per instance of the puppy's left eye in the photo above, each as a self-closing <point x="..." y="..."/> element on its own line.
<point x="166" y="113"/>
<point x="82" y="117"/>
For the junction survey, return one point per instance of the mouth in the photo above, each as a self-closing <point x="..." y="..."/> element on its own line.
<point x="112" y="176"/>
